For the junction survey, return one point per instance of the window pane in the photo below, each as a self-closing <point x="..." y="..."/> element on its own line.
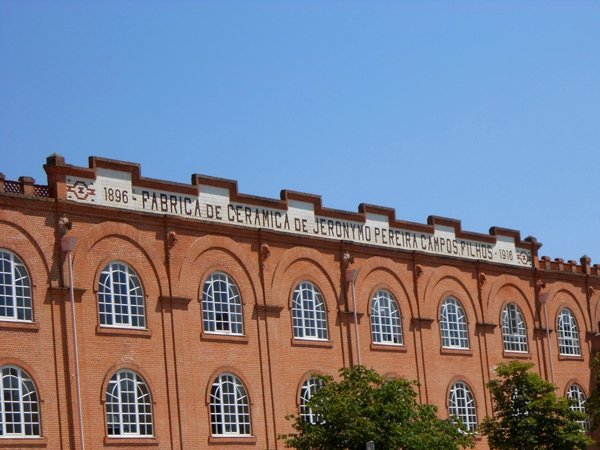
<point x="222" y="305"/>
<point x="514" y="331"/>
<point x="309" y="314"/>
<point x="229" y="407"/>
<point x="453" y="325"/>
<point x="121" y="297"/>
<point x="309" y="387"/>
<point x="19" y="407"/>
<point x="15" y="289"/>
<point x="128" y="405"/>
<point x="462" y="405"/>
<point x="578" y="398"/>
<point x="386" y="322"/>
<point x="568" y="333"/>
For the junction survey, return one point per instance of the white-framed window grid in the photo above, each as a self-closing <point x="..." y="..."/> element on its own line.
<point x="453" y="325"/>
<point x="15" y="289"/>
<point x="222" y="305"/>
<point x="386" y="320"/>
<point x="309" y="313"/>
<point x="461" y="405"/>
<point x="128" y="406"/>
<point x="568" y="334"/>
<point x="229" y="407"/>
<point x="514" y="329"/>
<point x="309" y="388"/>
<point x="19" y="404"/>
<point x="577" y="396"/>
<point x="121" y="297"/>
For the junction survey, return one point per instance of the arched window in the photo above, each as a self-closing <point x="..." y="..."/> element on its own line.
<point x="229" y="407"/>
<point x="568" y="333"/>
<point x="121" y="297"/>
<point x="514" y="330"/>
<point x="222" y="305"/>
<point x="309" y="388"/>
<point x="386" y="321"/>
<point x="578" y="398"/>
<point x="461" y="405"/>
<point x="19" y="405"/>
<point x="453" y="325"/>
<point x="128" y="405"/>
<point x="309" y="312"/>
<point x="15" y="288"/>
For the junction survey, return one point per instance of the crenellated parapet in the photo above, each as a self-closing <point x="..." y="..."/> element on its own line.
<point x="118" y="184"/>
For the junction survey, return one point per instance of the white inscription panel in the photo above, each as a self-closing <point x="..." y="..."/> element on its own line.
<point x="113" y="188"/>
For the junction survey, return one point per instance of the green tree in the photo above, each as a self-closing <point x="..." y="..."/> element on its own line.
<point x="592" y="404"/>
<point x="527" y="413"/>
<point x="365" y="406"/>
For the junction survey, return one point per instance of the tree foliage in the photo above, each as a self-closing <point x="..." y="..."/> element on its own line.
<point x="365" y="406"/>
<point x="592" y="404"/>
<point x="528" y="414"/>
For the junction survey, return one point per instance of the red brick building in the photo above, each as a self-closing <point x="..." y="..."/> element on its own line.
<point x="201" y="313"/>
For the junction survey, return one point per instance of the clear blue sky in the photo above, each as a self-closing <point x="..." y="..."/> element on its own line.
<point x="487" y="112"/>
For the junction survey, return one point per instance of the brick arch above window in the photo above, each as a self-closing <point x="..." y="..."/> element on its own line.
<point x="377" y="272"/>
<point x="505" y="289"/>
<point x="128" y="235"/>
<point x="209" y="254"/>
<point x="446" y="281"/>
<point x="43" y="248"/>
<point x="315" y="265"/>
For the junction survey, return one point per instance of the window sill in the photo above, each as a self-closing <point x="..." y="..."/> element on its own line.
<point x="130" y="441"/>
<point x="400" y="348"/>
<point x="21" y="326"/>
<point x="216" y="337"/>
<point x="570" y="358"/>
<point x="515" y="355"/>
<point x="297" y="342"/>
<point x="31" y="442"/>
<point x="113" y="331"/>
<point x="456" y="351"/>
<point x="224" y="440"/>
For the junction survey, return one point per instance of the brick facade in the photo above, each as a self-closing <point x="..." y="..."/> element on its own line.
<point x="179" y="361"/>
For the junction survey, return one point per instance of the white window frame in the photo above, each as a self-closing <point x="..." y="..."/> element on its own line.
<point x="309" y="388"/>
<point x="462" y="405"/>
<point x="578" y="398"/>
<point x="16" y="303"/>
<point x="222" y="311"/>
<point x="309" y="313"/>
<point x="454" y="327"/>
<point x="128" y="406"/>
<point x="514" y="329"/>
<point x="229" y="407"/>
<point x="24" y="409"/>
<point x="121" y="299"/>
<point x="386" y="319"/>
<point x="568" y="333"/>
